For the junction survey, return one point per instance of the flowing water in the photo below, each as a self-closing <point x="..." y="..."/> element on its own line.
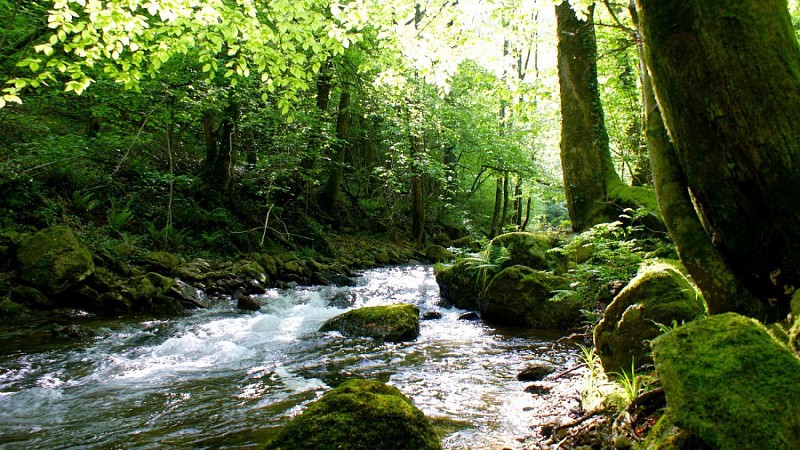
<point x="220" y="378"/>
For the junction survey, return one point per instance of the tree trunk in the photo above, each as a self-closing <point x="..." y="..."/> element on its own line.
<point x="506" y="196"/>
<point x="417" y="196"/>
<point x="727" y="77"/>
<point x="585" y="155"/>
<point x="330" y="193"/>
<point x="498" y="202"/>
<point x="218" y="170"/>
<point x="721" y="289"/>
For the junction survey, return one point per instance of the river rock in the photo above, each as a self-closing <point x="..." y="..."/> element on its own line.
<point x="659" y="294"/>
<point x="359" y="415"/>
<point x="31" y="297"/>
<point x="460" y="285"/>
<point x="431" y="315"/>
<point x="728" y="381"/>
<point x="53" y="260"/>
<point x="526" y="249"/>
<point x="520" y="296"/>
<point x="163" y="261"/>
<point x="393" y="323"/>
<point x="248" y="303"/>
<point x="470" y="316"/>
<point x="437" y="253"/>
<point x="536" y="372"/>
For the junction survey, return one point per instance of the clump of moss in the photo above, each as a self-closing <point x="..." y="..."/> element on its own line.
<point x="728" y="381"/>
<point x="359" y="415"/>
<point x="521" y="296"/>
<point x="659" y="295"/>
<point x="392" y="323"/>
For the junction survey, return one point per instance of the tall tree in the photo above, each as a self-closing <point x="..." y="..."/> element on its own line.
<point x="585" y="156"/>
<point x="727" y="77"/>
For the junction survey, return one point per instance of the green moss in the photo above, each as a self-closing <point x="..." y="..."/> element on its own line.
<point x="393" y="323"/>
<point x="519" y="295"/>
<point x="526" y="249"/>
<point x="359" y="415"/>
<point x="729" y="382"/>
<point x="53" y="260"/>
<point x="460" y="285"/>
<point x="658" y="295"/>
<point x="9" y="308"/>
<point x="666" y="436"/>
<point x="437" y="253"/>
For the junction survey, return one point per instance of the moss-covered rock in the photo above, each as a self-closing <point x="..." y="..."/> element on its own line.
<point x="437" y="253"/>
<point x="163" y="261"/>
<point x="521" y="296"/>
<point x="359" y="415"/>
<point x="460" y="285"/>
<point x="268" y="263"/>
<point x="659" y="294"/>
<point x="53" y="260"/>
<point x="527" y="249"/>
<point x="666" y="436"/>
<point x="728" y="381"/>
<point x="31" y="297"/>
<point x="393" y="323"/>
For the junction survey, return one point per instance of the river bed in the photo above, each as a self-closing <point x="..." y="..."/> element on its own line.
<point x="221" y="378"/>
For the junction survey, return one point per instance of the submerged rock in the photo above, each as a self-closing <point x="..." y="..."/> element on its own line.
<point x="728" y="381"/>
<point x="393" y="323"/>
<point x="53" y="260"/>
<point x="359" y="415"/>
<point x="431" y="315"/>
<point x="248" y="303"/>
<point x="660" y="294"/>
<point x="470" y="316"/>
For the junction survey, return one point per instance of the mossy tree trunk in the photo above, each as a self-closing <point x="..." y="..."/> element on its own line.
<point x="720" y="287"/>
<point x="727" y="77"/>
<point x="585" y="156"/>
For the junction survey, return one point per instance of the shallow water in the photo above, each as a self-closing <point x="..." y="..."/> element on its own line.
<point x="219" y="378"/>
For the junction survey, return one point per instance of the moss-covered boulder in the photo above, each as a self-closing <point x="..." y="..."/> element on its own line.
<point x="526" y="249"/>
<point x="659" y="294"/>
<point x="437" y="253"/>
<point x="392" y="323"/>
<point x="53" y="260"/>
<point x="359" y="415"/>
<point x="521" y="296"/>
<point x="460" y="285"/>
<point x="728" y="381"/>
<point x="163" y="261"/>
<point x="31" y="297"/>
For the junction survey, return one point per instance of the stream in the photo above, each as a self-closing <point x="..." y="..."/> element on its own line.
<point x="222" y="378"/>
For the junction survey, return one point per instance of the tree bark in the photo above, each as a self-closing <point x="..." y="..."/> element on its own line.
<point x="498" y="202"/>
<point x="727" y="77"/>
<point x="585" y="156"/>
<point x="330" y="193"/>
<point x="720" y="287"/>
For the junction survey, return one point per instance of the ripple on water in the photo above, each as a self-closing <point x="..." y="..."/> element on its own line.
<point x="222" y="378"/>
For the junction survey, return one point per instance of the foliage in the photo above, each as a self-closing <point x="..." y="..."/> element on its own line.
<point x="604" y="258"/>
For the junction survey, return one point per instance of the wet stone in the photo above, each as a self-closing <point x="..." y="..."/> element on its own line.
<point x="536" y="372"/>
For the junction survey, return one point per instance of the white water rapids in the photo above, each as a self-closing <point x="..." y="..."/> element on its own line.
<point x="220" y="378"/>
